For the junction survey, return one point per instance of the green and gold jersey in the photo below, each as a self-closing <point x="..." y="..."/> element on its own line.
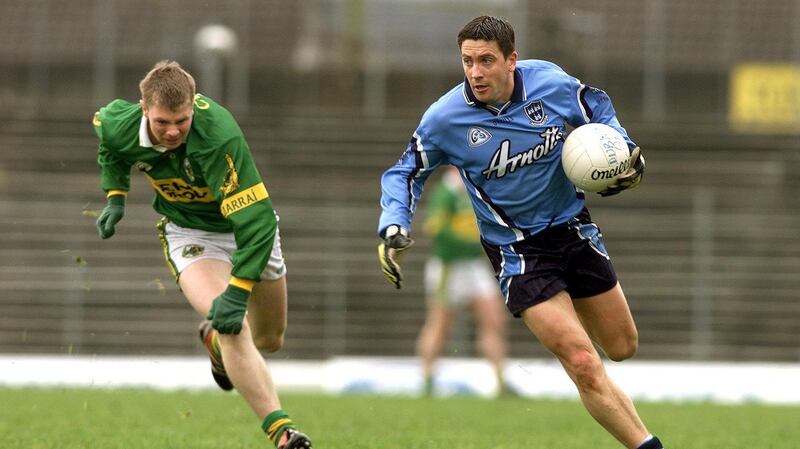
<point x="450" y="222"/>
<point x="209" y="183"/>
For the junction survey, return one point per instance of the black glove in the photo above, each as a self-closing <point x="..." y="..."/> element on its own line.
<point x="394" y="242"/>
<point x="110" y="216"/>
<point x="631" y="178"/>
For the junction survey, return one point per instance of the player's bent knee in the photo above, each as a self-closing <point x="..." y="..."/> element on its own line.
<point x="268" y="342"/>
<point x="623" y="350"/>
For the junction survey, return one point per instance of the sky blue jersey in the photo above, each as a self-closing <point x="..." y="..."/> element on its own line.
<point x="509" y="155"/>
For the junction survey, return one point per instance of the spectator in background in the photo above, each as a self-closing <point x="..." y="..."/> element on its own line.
<point x="219" y="232"/>
<point x="457" y="275"/>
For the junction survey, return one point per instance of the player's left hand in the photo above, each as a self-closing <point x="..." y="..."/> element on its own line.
<point x="228" y="310"/>
<point x="396" y="240"/>
<point x="110" y="216"/>
<point x="631" y="178"/>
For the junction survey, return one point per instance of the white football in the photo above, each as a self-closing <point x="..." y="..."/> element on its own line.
<point x="593" y="156"/>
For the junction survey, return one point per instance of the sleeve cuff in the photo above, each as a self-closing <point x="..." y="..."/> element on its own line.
<point x="111" y="193"/>
<point x="244" y="284"/>
<point x="394" y="229"/>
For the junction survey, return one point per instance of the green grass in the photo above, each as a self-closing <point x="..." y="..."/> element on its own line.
<point x="139" y="419"/>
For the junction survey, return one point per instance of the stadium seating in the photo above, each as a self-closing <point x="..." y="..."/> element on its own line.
<point x="706" y="249"/>
<point x="722" y="292"/>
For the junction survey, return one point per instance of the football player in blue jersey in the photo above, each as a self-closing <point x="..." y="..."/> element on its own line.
<point x="503" y="128"/>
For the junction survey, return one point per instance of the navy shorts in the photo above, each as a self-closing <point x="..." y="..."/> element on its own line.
<point x="570" y="256"/>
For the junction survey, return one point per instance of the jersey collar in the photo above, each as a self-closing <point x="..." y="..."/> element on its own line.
<point x="144" y="137"/>
<point x="517" y="95"/>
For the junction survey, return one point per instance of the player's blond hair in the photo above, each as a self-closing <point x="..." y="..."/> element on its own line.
<point x="167" y="84"/>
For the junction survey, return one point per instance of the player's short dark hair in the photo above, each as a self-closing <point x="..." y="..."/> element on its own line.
<point x="489" y="28"/>
<point x="167" y="84"/>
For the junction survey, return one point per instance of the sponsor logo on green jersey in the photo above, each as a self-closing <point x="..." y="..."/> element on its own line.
<point x="176" y="189"/>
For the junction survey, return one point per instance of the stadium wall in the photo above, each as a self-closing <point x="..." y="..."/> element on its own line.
<point x="644" y="381"/>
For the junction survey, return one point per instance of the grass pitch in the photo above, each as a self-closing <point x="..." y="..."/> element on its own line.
<point x="147" y="419"/>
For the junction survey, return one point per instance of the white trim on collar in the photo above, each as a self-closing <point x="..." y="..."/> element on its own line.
<point x="466" y="95"/>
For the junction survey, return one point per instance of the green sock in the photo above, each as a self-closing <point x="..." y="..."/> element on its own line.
<point x="274" y="425"/>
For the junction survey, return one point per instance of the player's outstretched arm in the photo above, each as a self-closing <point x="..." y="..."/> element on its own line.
<point x="631" y="178"/>
<point x="395" y="241"/>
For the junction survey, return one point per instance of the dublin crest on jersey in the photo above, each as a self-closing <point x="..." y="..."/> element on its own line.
<point x="477" y="136"/>
<point x="535" y="112"/>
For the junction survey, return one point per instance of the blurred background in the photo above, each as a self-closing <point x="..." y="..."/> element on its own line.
<point x="328" y="93"/>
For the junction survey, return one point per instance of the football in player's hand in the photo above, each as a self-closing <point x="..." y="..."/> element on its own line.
<point x="594" y="155"/>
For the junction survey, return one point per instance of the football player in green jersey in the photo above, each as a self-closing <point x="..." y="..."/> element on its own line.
<point x="457" y="276"/>
<point x="219" y="232"/>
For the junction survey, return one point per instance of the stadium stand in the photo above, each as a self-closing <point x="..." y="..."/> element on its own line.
<point x="706" y="248"/>
<point x="65" y="290"/>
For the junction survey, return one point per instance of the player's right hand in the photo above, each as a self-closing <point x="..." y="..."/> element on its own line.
<point x="631" y="178"/>
<point x="395" y="241"/>
<point x="110" y="216"/>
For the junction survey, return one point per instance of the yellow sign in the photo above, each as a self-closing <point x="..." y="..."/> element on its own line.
<point x="765" y="98"/>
